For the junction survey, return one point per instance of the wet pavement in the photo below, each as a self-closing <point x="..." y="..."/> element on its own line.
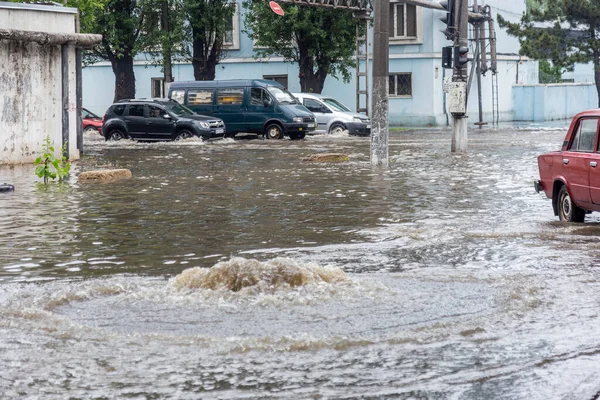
<point x="234" y="269"/>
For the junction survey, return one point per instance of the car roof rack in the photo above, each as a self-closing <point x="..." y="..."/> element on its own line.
<point x="147" y="99"/>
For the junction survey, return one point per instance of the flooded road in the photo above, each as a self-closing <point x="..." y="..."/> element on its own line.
<point x="235" y="269"/>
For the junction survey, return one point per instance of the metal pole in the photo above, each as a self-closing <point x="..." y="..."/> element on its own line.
<point x="379" y="120"/>
<point x="478" y="38"/>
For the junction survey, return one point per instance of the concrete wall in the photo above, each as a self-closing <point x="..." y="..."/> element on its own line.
<point x="553" y="102"/>
<point x="30" y="84"/>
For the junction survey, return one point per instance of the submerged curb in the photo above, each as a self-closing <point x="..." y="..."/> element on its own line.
<point x="105" y="175"/>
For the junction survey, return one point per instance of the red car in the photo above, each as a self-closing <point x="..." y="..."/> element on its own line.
<point x="91" y="121"/>
<point x="571" y="176"/>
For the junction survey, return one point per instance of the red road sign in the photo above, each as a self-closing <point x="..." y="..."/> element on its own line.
<point x="276" y="8"/>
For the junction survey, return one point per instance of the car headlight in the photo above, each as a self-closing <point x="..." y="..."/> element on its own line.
<point x="203" y="124"/>
<point x="356" y="119"/>
<point x="298" y="120"/>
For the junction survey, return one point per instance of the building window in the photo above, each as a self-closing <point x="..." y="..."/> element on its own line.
<point x="232" y="33"/>
<point x="401" y="85"/>
<point x="157" y="87"/>
<point x="281" y="79"/>
<point x="403" y="20"/>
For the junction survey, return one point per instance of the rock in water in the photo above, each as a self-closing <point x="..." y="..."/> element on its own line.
<point x="104" y="175"/>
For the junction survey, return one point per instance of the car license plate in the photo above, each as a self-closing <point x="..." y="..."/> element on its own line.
<point x="368" y="126"/>
<point x="220" y="130"/>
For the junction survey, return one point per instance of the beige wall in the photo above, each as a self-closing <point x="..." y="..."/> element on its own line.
<point x="31" y="84"/>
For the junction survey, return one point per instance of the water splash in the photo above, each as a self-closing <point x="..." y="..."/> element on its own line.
<point x="240" y="274"/>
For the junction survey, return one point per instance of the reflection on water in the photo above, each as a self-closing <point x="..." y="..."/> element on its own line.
<point x="233" y="269"/>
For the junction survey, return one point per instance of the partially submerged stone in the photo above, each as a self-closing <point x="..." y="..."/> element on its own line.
<point x="327" y="157"/>
<point x="104" y="175"/>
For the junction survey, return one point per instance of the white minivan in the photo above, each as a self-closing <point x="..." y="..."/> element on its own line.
<point x="332" y="116"/>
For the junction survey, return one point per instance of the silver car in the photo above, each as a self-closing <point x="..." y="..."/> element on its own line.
<point x="334" y="117"/>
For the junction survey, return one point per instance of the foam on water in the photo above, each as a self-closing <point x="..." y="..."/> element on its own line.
<point x="240" y="274"/>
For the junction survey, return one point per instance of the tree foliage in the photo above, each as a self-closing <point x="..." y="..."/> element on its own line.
<point x="564" y="31"/>
<point x="209" y="23"/>
<point x="165" y="32"/>
<point x="320" y="40"/>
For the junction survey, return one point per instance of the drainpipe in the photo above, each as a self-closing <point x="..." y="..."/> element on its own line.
<point x="64" y="61"/>
<point x="78" y="91"/>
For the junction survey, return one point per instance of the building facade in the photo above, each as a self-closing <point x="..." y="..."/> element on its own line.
<point x="417" y="78"/>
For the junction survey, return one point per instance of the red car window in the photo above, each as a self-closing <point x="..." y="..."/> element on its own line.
<point x="585" y="136"/>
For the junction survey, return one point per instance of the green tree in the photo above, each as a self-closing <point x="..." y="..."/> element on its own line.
<point x="209" y="23"/>
<point x="549" y="73"/>
<point x="164" y="25"/>
<point x="120" y="23"/>
<point x="565" y="31"/>
<point x="320" y="40"/>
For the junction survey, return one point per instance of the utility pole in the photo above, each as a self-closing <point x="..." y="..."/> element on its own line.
<point x="380" y="111"/>
<point x="456" y="57"/>
<point x="458" y="108"/>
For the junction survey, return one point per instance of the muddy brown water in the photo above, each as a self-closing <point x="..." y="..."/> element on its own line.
<point x="234" y="269"/>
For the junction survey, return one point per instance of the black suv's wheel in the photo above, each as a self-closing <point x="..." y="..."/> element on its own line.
<point x="183" y="134"/>
<point x="274" y="131"/>
<point x="567" y="210"/>
<point x="116" y="134"/>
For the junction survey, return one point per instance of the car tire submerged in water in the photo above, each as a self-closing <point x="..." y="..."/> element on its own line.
<point x="297" y="136"/>
<point x="567" y="210"/>
<point x="116" y="134"/>
<point x="183" y="134"/>
<point x="90" y="130"/>
<point x="336" y="129"/>
<point x="274" y="131"/>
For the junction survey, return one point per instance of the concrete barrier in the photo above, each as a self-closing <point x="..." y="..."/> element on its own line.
<point x="105" y="175"/>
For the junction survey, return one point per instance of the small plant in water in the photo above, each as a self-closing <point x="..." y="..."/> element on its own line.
<point x="49" y="166"/>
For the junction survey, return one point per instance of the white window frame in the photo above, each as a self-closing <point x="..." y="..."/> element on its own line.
<point x="235" y="44"/>
<point x="419" y="25"/>
<point x="162" y="87"/>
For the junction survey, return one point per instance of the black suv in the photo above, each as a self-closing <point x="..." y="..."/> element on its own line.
<point x="158" y="119"/>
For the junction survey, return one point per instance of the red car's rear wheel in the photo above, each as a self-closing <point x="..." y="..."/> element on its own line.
<point x="567" y="210"/>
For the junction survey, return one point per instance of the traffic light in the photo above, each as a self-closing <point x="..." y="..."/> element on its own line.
<point x="448" y="19"/>
<point x="447" y="57"/>
<point x="461" y="55"/>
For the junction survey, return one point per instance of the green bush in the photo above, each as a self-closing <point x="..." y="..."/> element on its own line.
<point x="49" y="166"/>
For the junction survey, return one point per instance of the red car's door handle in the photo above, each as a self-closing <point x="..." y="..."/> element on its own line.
<point x="593" y="164"/>
<point x="565" y="161"/>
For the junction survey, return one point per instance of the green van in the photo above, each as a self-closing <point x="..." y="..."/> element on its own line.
<point x="257" y="106"/>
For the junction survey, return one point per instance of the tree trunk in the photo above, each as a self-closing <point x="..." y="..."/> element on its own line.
<point x="204" y="61"/>
<point x="166" y="50"/>
<point x="310" y="81"/>
<point x="124" y="77"/>
<point x="597" y="73"/>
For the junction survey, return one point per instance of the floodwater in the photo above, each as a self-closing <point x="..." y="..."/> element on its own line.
<point x="236" y="270"/>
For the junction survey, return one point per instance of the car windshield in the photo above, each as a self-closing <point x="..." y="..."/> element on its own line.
<point x="281" y="95"/>
<point x="179" y="110"/>
<point x="336" y="105"/>
<point x="88" y="114"/>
